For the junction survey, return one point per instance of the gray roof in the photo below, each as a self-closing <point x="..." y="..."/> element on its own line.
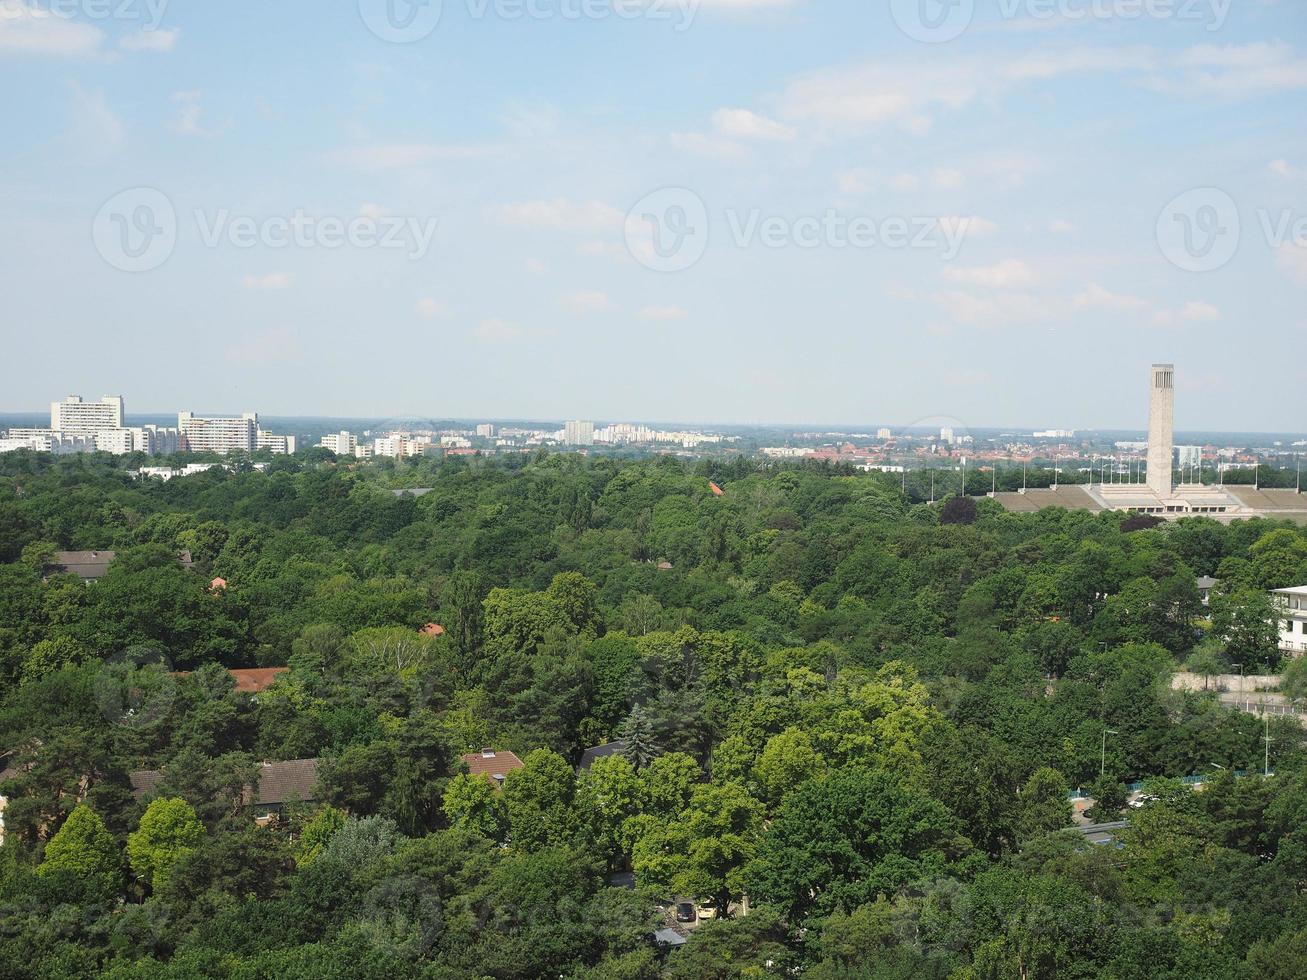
<point x="588" y="757"/>
<point x="86" y="565"/>
<point x="1207" y="582"/>
<point x="279" y="782"/>
<point x="669" y="937"/>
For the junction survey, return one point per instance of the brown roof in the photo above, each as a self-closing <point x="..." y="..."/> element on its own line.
<point x="144" y="780"/>
<point x="279" y="782"/>
<point x="256" y="679"/>
<point x="492" y="764"/>
<point x="86" y="565"/>
<point x="283" y="782"/>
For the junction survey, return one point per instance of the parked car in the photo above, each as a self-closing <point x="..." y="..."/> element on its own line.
<point x="1139" y="802"/>
<point x="685" y="912"/>
<point x="707" y="911"/>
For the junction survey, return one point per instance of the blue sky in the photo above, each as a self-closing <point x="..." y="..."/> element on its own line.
<point x="1004" y="223"/>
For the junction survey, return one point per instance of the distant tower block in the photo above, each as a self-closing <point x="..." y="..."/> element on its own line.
<point x="1161" y="429"/>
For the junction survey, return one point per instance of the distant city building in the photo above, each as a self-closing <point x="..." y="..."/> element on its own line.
<point x="341" y="443"/>
<point x="579" y="433"/>
<point x="485" y="430"/>
<point x="884" y="434"/>
<point x="1055" y="434"/>
<point x="1189" y="457"/>
<point x="219" y="434"/>
<point x="946" y="436"/>
<point x="73" y="416"/>
<point x="278" y="445"/>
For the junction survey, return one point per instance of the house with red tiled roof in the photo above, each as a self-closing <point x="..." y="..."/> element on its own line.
<point x="432" y="629"/>
<point x="494" y="766"/>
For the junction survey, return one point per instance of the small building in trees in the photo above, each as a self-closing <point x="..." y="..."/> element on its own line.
<point x="1293" y="624"/>
<point x="493" y="765"/>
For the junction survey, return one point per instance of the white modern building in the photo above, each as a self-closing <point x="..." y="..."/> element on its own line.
<point x="486" y="430"/>
<point x="1293" y="627"/>
<point x="73" y="416"/>
<point x="579" y="433"/>
<point x="278" y="445"/>
<point x="219" y="435"/>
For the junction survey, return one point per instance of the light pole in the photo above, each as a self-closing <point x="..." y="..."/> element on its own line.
<point x="1266" y="763"/>
<point x="1102" y="757"/>
<point x="1240" y="697"/>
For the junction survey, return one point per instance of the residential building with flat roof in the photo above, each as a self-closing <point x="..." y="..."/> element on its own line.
<point x="1293" y="626"/>
<point x="219" y="435"/>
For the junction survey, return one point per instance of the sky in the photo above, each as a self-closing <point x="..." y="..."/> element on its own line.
<point x="742" y="211"/>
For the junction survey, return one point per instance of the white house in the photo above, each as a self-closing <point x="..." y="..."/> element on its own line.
<point x="1293" y="625"/>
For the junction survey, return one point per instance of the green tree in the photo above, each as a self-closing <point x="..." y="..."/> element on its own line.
<point x="318" y="833"/>
<point x="84" y="851"/>
<point x="1044" y="806"/>
<point x="787" y="760"/>
<point x="637" y="735"/>
<point x="1249" y="623"/>
<point x="472" y="802"/>
<point x="169" y="830"/>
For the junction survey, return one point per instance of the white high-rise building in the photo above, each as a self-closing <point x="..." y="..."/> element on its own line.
<point x="486" y="430"/>
<point x="1161" y="429"/>
<point x="579" y="433"/>
<point x="278" y="445"/>
<point x="219" y="435"/>
<point x="884" y="434"/>
<point x="73" y="416"/>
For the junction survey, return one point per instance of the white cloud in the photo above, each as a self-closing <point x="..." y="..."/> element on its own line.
<point x="1282" y="167"/>
<point x="160" y="39"/>
<point x="947" y="179"/>
<point x="431" y="308"/>
<point x="271" y="349"/>
<point x="1095" y="297"/>
<point x="610" y="250"/>
<point x="96" y="128"/>
<point x="189" y="113"/>
<point x="858" y="181"/>
<point x="1062" y="227"/>
<point x="26" y="28"/>
<point x="743" y="124"/>
<point x="268" y="281"/>
<point x="662" y="313"/>
<point x="1234" y="71"/>
<point x="996" y="309"/>
<point x="403" y="156"/>
<point x="713" y="147"/>
<point x="495" y="330"/>
<point x="1008" y="274"/>
<point x="1192" y="312"/>
<point x="968" y="226"/>
<point x="588" y="301"/>
<point x="1291" y="258"/>
<point x="561" y="214"/>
